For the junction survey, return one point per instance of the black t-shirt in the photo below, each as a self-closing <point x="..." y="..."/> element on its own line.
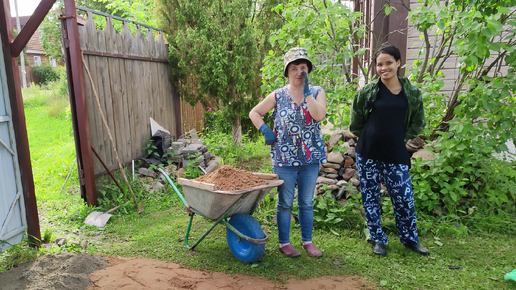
<point x="383" y="136"/>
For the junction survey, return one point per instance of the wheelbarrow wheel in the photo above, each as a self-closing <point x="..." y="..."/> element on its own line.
<point x="243" y="250"/>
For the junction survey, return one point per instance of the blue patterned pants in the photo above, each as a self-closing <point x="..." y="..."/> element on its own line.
<point x="399" y="185"/>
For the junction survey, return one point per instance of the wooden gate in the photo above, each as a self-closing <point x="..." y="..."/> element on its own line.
<point x="13" y="222"/>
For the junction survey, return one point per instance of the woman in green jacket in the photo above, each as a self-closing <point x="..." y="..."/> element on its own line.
<point x="386" y="113"/>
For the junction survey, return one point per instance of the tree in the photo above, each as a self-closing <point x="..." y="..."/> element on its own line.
<point x="216" y="51"/>
<point x="331" y="32"/>
<point x="136" y="10"/>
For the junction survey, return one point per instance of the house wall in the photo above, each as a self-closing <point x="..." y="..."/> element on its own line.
<point x="450" y="69"/>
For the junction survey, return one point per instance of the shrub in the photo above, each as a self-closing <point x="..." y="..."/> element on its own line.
<point x="46" y="73"/>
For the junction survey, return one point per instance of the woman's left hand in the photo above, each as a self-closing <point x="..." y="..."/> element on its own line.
<point x="306" y="87"/>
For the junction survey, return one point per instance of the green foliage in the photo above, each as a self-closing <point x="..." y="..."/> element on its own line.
<point x="216" y="50"/>
<point x="326" y="29"/>
<point x="330" y="215"/>
<point x="477" y="118"/>
<point x="46" y="73"/>
<point x="221" y="145"/>
<point x="193" y="171"/>
<point x="217" y="121"/>
<point x="47" y="236"/>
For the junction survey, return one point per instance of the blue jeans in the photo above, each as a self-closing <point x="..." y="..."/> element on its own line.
<point x="399" y="185"/>
<point x="305" y="177"/>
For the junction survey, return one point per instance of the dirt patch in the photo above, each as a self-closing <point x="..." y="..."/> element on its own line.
<point x="53" y="271"/>
<point x="229" y="178"/>
<point x="135" y="273"/>
<point x="69" y="271"/>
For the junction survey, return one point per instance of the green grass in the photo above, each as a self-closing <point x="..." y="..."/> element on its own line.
<point x="484" y="253"/>
<point x="160" y="230"/>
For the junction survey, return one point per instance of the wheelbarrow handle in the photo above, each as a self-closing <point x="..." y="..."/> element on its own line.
<point x="174" y="187"/>
<point x="247" y="238"/>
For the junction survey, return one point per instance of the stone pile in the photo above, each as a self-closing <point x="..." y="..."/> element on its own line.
<point x="339" y="175"/>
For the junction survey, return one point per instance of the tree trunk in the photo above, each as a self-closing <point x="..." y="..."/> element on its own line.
<point x="237" y="131"/>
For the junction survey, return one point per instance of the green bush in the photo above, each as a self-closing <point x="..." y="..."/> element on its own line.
<point x="46" y="73"/>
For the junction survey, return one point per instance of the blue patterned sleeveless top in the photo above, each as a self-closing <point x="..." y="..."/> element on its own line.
<point x="300" y="140"/>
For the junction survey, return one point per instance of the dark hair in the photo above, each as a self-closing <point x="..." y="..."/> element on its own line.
<point x="390" y="50"/>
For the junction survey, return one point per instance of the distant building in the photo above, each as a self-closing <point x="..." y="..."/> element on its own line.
<point x="34" y="48"/>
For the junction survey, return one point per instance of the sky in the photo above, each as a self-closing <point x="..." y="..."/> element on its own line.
<point x="25" y="7"/>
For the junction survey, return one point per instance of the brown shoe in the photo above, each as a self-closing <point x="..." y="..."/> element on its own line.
<point x="312" y="250"/>
<point x="290" y="251"/>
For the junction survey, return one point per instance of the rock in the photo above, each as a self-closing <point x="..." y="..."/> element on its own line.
<point x="75" y="243"/>
<point x="331" y="165"/>
<point x="335" y="157"/>
<point x="332" y="187"/>
<point x="170" y="170"/>
<point x="330" y="170"/>
<point x="334" y="139"/>
<point x="177" y="146"/>
<point x="84" y="244"/>
<point x="324" y="180"/>
<point x="410" y="149"/>
<point x="343" y="201"/>
<point x="348" y="161"/>
<point x="158" y="186"/>
<point x="352" y="142"/>
<point x="146" y="172"/>
<point x="341" y="192"/>
<point x="342" y="183"/>
<point x="332" y="175"/>
<point x="180" y="172"/>
<point x="424" y="154"/>
<point x="192" y="149"/>
<point x="341" y="171"/>
<point x="351" y="152"/>
<point x="348" y="135"/>
<point x="146" y="179"/>
<point x="416" y="143"/>
<point x="197" y="141"/>
<point x="348" y="173"/>
<point x="321" y="190"/>
<point x="354" y="181"/>
<point x="213" y="164"/>
<point x="60" y="241"/>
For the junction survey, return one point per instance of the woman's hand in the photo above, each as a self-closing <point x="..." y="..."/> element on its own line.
<point x="270" y="137"/>
<point x="306" y="87"/>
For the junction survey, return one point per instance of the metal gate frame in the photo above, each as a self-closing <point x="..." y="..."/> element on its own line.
<point x="74" y="72"/>
<point x="12" y="48"/>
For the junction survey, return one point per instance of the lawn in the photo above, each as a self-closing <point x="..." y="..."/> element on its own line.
<point x="465" y="259"/>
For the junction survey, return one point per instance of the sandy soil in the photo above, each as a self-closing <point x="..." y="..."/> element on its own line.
<point x="85" y="271"/>
<point x="142" y="274"/>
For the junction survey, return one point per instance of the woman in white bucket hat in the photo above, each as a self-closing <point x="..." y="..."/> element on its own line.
<point x="297" y="146"/>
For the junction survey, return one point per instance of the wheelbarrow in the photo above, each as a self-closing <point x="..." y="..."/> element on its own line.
<point x="244" y="235"/>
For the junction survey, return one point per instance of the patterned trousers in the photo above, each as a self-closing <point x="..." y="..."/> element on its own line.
<point x="399" y="185"/>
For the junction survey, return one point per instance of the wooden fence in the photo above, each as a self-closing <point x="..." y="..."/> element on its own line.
<point x="132" y="78"/>
<point x="30" y="77"/>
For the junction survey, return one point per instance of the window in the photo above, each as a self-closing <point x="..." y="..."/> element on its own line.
<point x="52" y="61"/>
<point x="37" y="60"/>
<point x="39" y="36"/>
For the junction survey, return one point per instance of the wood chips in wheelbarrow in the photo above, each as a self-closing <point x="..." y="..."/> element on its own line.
<point x="229" y="178"/>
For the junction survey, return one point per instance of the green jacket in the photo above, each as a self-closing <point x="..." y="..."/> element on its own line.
<point x="414" y="119"/>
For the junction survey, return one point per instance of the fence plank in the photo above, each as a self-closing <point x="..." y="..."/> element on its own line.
<point x="130" y="90"/>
